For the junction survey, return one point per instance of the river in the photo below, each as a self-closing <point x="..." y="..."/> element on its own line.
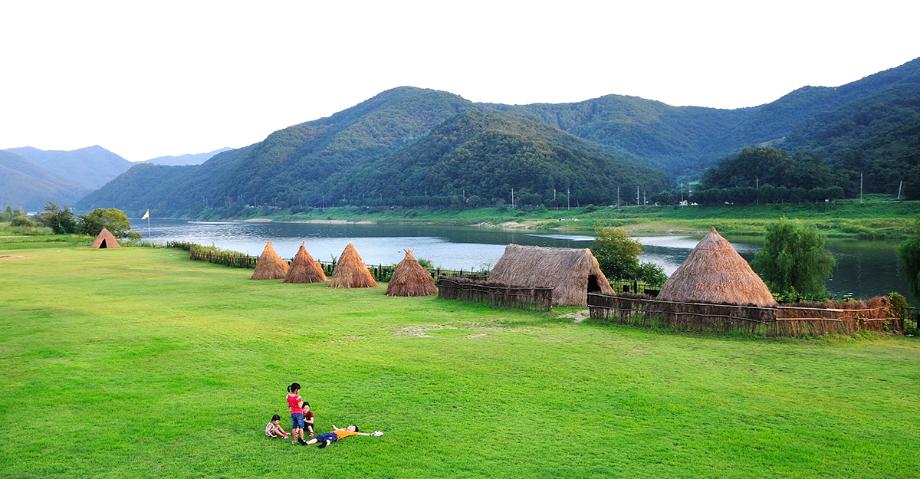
<point x="864" y="268"/>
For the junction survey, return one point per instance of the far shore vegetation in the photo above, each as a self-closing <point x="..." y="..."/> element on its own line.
<point x="877" y="217"/>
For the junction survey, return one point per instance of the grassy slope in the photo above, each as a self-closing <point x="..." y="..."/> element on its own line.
<point x="137" y="362"/>
<point x="877" y="218"/>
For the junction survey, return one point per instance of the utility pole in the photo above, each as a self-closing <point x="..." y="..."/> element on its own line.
<point x="900" y="185"/>
<point x="618" y="196"/>
<point x="637" y="195"/>
<point x="568" y="199"/>
<point x="512" y="197"/>
<point x="644" y="198"/>
<point x="757" y="189"/>
<point x="860" y="187"/>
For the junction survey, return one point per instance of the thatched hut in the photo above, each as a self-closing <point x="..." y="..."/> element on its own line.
<point x="304" y="269"/>
<point x="350" y="271"/>
<point x="411" y="279"/>
<point x="715" y="273"/>
<point x="270" y="265"/>
<point x="105" y="239"/>
<point x="571" y="272"/>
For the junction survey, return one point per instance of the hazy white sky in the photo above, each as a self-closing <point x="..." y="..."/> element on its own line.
<point x="145" y="79"/>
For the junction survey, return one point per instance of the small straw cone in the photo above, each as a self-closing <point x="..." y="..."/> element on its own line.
<point x="305" y="269"/>
<point x="411" y="279"/>
<point x="270" y="265"/>
<point x="105" y="239"/>
<point x="350" y="271"/>
<point x="715" y="273"/>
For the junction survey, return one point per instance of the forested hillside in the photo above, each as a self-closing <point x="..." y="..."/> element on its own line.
<point x="410" y="146"/>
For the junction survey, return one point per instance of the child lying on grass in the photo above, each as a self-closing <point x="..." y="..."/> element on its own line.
<point x="273" y="428"/>
<point x="328" y="438"/>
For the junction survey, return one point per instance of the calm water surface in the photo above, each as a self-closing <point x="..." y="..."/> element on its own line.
<point x="864" y="268"/>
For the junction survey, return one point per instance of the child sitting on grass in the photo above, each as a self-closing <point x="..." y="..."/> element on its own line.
<point x="308" y="418"/>
<point x="328" y="438"/>
<point x="273" y="428"/>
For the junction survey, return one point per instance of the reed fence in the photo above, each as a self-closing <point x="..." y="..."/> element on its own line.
<point x="236" y="259"/>
<point x="799" y="320"/>
<point x="495" y="294"/>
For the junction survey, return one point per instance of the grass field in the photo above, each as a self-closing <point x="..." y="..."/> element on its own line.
<point x="878" y="217"/>
<point x="136" y="362"/>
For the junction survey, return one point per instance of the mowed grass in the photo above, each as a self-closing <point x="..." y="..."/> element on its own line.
<point x="137" y="362"/>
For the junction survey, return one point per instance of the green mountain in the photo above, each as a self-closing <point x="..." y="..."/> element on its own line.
<point x="485" y="154"/>
<point x="417" y="146"/>
<point x="25" y="185"/>
<point x="89" y="167"/>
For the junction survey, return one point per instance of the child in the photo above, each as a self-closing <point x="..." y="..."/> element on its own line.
<point x="295" y="403"/>
<point x="308" y="419"/>
<point x="330" y="437"/>
<point x="273" y="428"/>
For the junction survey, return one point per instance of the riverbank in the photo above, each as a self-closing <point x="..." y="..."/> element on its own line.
<point x="876" y="218"/>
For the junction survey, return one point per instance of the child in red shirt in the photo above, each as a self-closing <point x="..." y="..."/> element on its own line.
<point x="308" y="419"/>
<point x="295" y="403"/>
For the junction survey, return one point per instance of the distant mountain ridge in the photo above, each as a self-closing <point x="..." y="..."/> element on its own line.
<point x="339" y="159"/>
<point x="184" y="160"/>
<point x="92" y="166"/>
<point x="27" y="186"/>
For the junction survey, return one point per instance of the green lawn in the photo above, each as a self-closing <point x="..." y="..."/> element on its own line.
<point x="136" y="362"/>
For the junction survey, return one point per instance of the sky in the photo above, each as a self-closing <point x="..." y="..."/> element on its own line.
<point x="152" y="78"/>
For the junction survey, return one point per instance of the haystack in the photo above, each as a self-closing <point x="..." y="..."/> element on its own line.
<point x="571" y="272"/>
<point x="715" y="273"/>
<point x="270" y="265"/>
<point x="305" y="269"/>
<point x="105" y="239"/>
<point x="350" y="271"/>
<point x="411" y="279"/>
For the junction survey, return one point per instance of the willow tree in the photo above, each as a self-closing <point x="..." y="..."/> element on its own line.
<point x="794" y="261"/>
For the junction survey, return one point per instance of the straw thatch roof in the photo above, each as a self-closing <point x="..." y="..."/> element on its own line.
<point x="270" y="265"/>
<point x="305" y="269"/>
<point x="105" y="239"/>
<point x="350" y="271"/>
<point x="571" y="272"/>
<point x="411" y="279"/>
<point x="715" y="273"/>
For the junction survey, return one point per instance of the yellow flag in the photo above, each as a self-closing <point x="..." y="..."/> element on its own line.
<point x="146" y="215"/>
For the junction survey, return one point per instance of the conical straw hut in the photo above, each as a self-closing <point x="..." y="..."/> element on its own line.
<point x="715" y="273"/>
<point x="270" y="265"/>
<point x="305" y="269"/>
<point x="411" y="279"/>
<point x="571" y="272"/>
<point x="350" y="271"/>
<point x="105" y="239"/>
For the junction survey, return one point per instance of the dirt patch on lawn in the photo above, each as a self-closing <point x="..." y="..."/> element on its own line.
<point x="347" y="339"/>
<point x="8" y="257"/>
<point x="422" y="331"/>
<point x="577" y="316"/>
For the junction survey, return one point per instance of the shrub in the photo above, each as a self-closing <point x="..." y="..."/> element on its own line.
<point x="909" y="252"/>
<point x="113" y="219"/>
<point x="794" y="260"/>
<point x="20" y="221"/>
<point x="60" y="221"/>
<point x="617" y="254"/>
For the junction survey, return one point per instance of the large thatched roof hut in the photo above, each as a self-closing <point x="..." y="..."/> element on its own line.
<point x="105" y="239"/>
<point x="411" y="279"/>
<point x="304" y="269"/>
<point x="270" y="265"/>
<point x="715" y="273"/>
<point x="350" y="271"/>
<point x="571" y="272"/>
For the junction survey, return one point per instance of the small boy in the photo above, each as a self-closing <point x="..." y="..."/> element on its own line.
<point x="328" y="438"/>
<point x="273" y="428"/>
<point x="308" y="418"/>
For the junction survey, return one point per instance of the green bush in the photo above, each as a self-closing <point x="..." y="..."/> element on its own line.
<point x="617" y="254"/>
<point x="909" y="252"/>
<point x="794" y="261"/>
<point x="21" y="221"/>
<point x="113" y="219"/>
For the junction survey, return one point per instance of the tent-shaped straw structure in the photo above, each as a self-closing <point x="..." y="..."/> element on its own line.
<point x="304" y="269"/>
<point x="411" y="279"/>
<point x="270" y="265"/>
<point x="571" y="272"/>
<point x="350" y="271"/>
<point x="105" y="239"/>
<point x="715" y="273"/>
